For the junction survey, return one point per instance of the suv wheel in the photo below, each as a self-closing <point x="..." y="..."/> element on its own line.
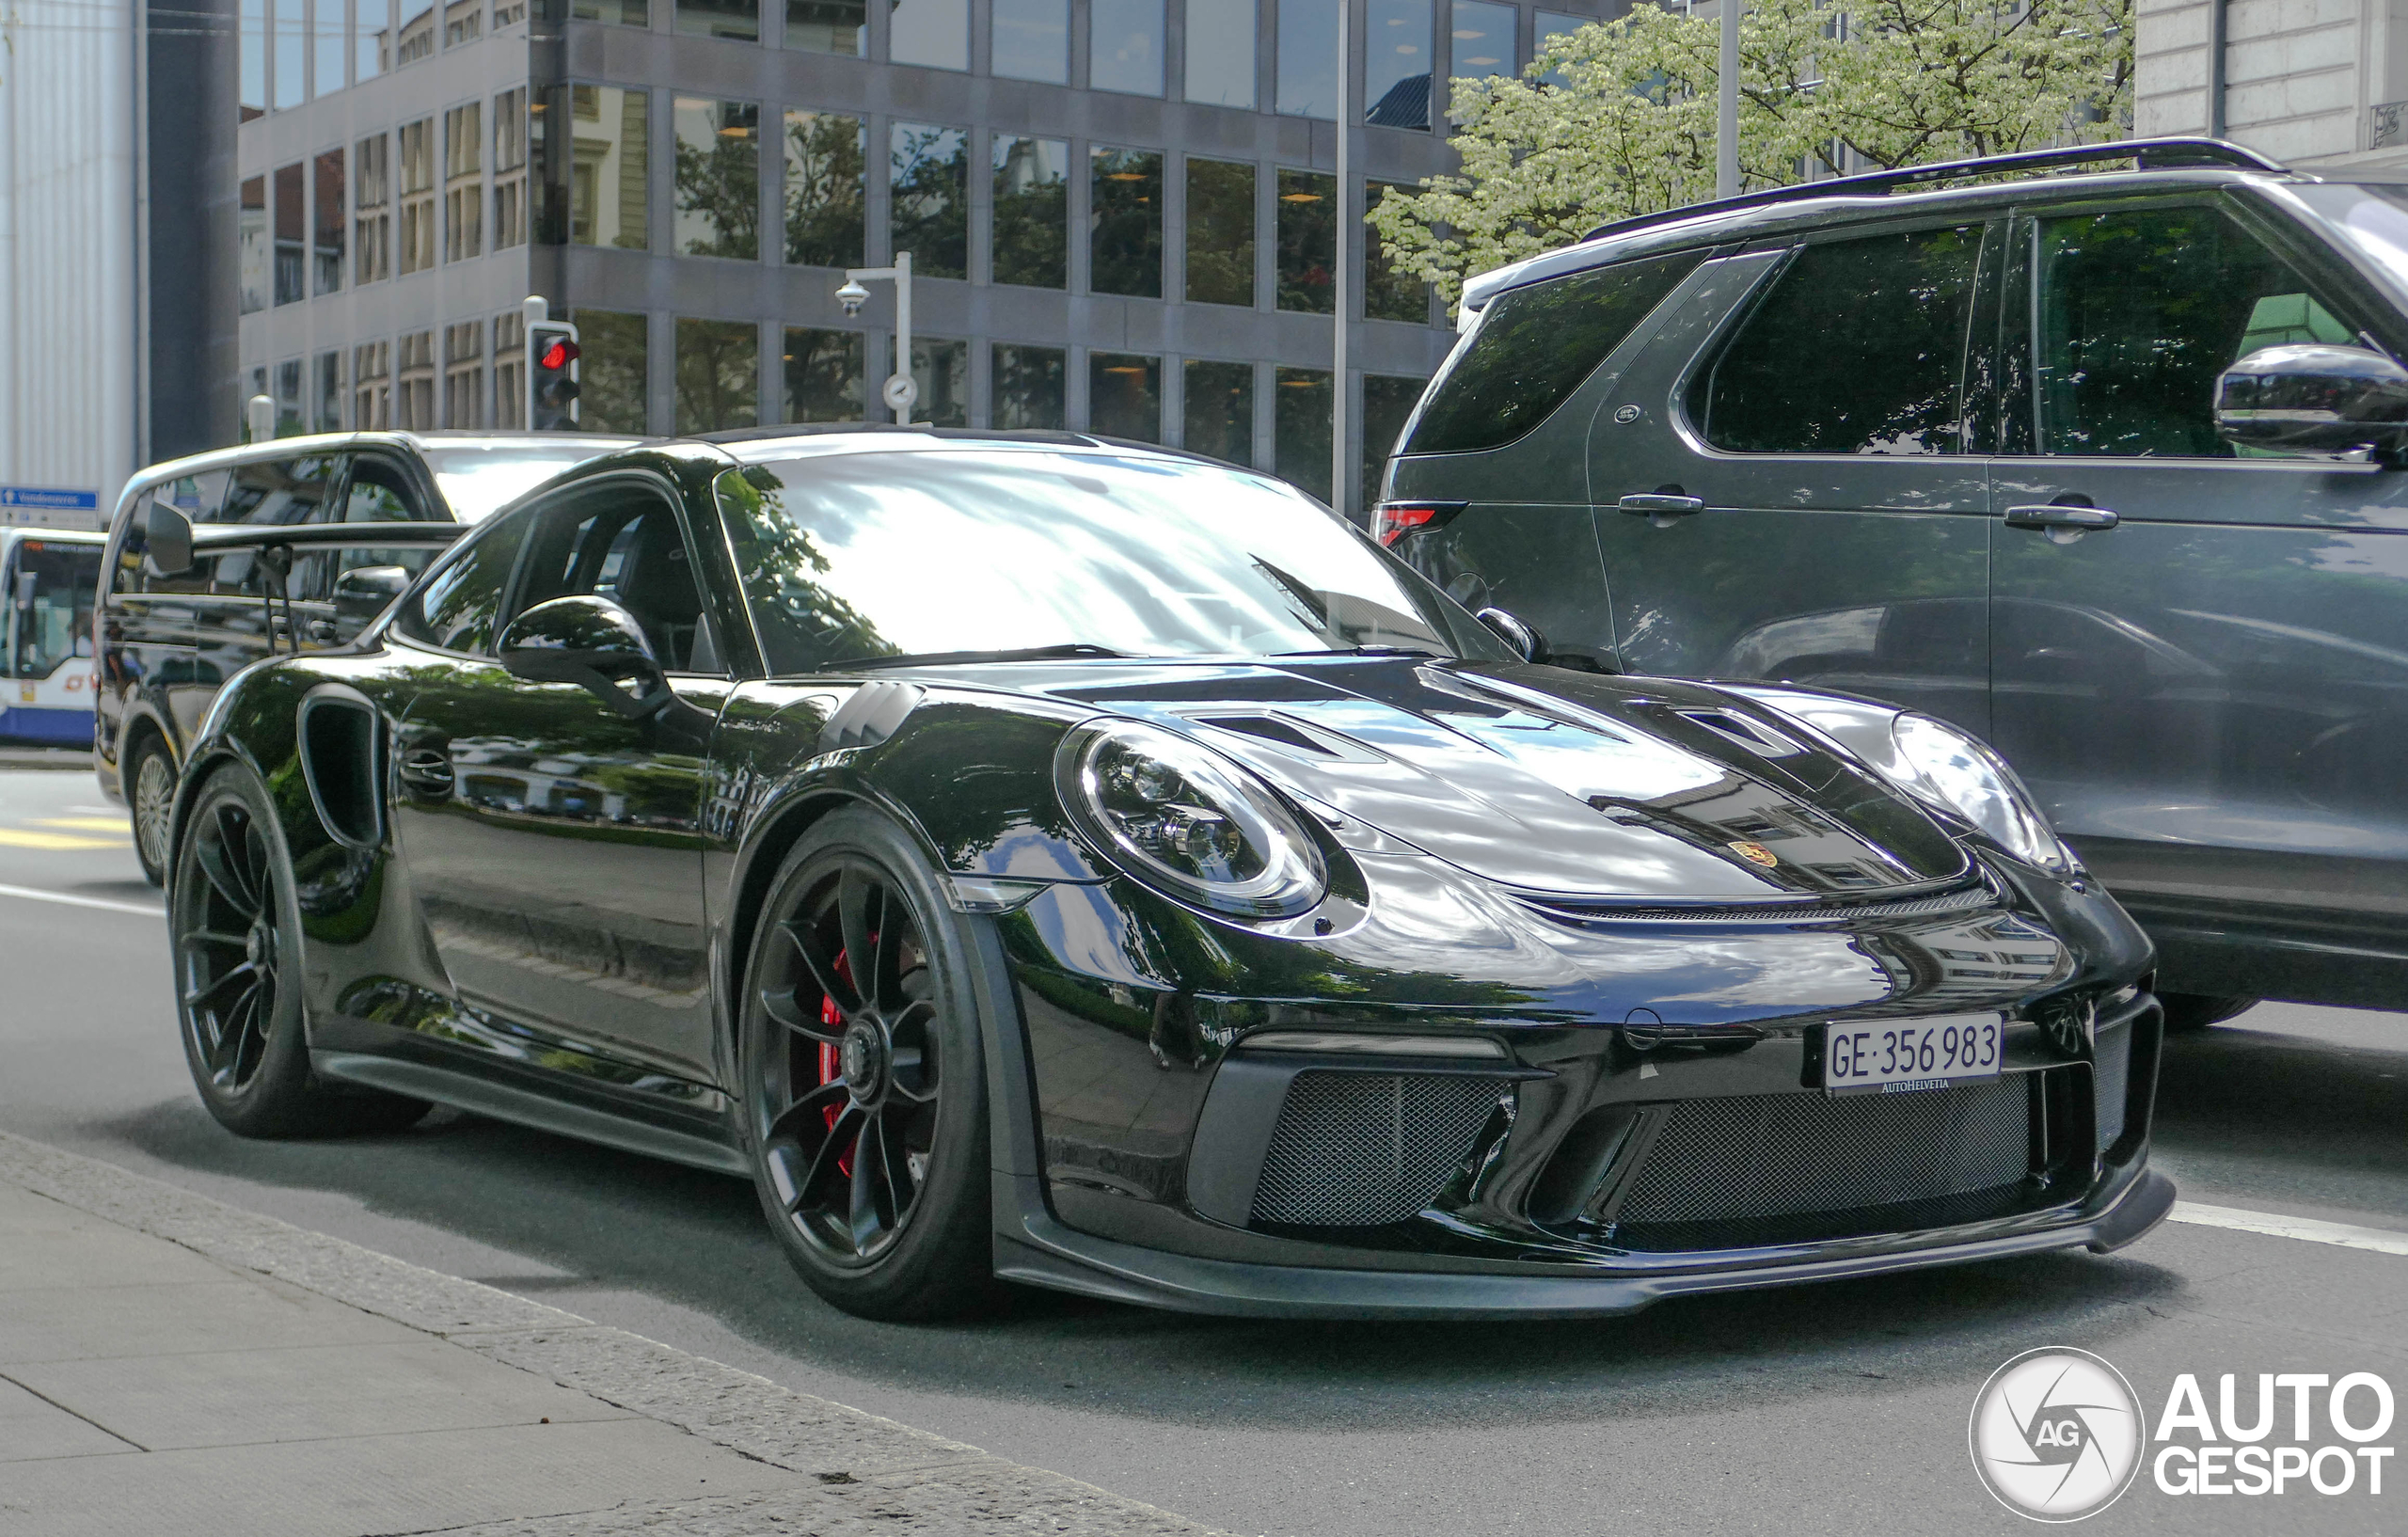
<point x="151" y="792"/>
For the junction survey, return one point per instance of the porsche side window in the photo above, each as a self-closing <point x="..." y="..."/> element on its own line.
<point x="1534" y="348"/>
<point x="625" y="545"/>
<point x="2138" y="312"/>
<point x="1857" y="348"/>
<point x="458" y="609"/>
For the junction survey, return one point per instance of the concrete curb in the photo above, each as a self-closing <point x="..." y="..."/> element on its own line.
<point x="874" y="1474"/>
<point x="46" y="758"/>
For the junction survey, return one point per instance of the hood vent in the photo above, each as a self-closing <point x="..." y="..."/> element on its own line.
<point x="1755" y="736"/>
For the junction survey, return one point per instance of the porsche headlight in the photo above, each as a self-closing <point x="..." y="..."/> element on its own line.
<point x="1958" y="774"/>
<point x="1189" y="822"/>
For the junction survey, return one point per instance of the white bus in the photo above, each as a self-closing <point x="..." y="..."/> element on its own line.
<point x="48" y="577"/>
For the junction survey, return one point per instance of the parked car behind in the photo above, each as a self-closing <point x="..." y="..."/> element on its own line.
<point x="2105" y="468"/>
<point x="166" y="641"/>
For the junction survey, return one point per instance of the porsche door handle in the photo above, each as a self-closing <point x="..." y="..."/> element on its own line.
<point x="426" y="772"/>
<point x="2086" y="519"/>
<point x="1660" y="504"/>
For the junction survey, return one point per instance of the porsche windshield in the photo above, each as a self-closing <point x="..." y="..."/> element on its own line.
<point x="854" y="556"/>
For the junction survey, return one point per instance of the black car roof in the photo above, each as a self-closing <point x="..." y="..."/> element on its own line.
<point x="760" y="445"/>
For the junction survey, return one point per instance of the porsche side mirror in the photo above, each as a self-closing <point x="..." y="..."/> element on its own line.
<point x="364" y="591"/>
<point x="166" y="537"/>
<point x="1519" y="634"/>
<point x="2314" y="397"/>
<point x="590" y="642"/>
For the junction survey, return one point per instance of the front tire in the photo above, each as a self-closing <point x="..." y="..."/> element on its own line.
<point x="151" y="798"/>
<point x="865" y="1077"/>
<point x="236" y="932"/>
<point x="2198" y="1010"/>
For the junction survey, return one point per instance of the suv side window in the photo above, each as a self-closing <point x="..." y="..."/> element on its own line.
<point x="1534" y="348"/>
<point x="2136" y="313"/>
<point x="280" y="490"/>
<point x="1858" y="347"/>
<point x="456" y="610"/>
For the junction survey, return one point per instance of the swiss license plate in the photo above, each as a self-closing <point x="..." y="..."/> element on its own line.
<point x="1898" y="1056"/>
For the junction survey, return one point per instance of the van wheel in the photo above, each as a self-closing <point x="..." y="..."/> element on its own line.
<point x="150" y="791"/>
<point x="238" y="963"/>
<point x="2198" y="1010"/>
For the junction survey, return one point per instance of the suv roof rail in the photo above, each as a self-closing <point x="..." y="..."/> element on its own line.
<point x="2149" y="155"/>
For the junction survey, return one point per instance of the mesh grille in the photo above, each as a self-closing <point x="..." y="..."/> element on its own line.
<point x="1782" y="1154"/>
<point x="1359" y="1150"/>
<point x="2112" y="1070"/>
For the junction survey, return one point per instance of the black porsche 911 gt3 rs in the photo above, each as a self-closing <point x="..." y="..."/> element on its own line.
<point x="1029" y="856"/>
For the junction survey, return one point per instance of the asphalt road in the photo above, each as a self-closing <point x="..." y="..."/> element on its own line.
<point x="1837" y="1408"/>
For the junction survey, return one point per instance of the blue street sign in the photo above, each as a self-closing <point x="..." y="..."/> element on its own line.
<point x="50" y="496"/>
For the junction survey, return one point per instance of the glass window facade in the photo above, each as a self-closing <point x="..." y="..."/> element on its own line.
<point x="1220" y="52"/>
<point x="612" y="156"/>
<point x="1033" y="40"/>
<point x="1125" y="46"/>
<point x="327" y="403"/>
<point x="290" y="80"/>
<point x="825" y="191"/>
<point x="1220" y="232"/>
<point x="1388" y="292"/>
<point x="292" y="224"/>
<point x="1545" y="25"/>
<point x="464" y="187"/>
<point x="373" y="210"/>
<point x="250" y="70"/>
<point x="253" y="256"/>
<point x="719" y="179"/>
<point x="829" y="27"/>
<point x="1307" y="242"/>
<point x="614" y="373"/>
<point x="824" y="372"/>
<point x="719" y="374"/>
<point x="372" y="37"/>
<point x="927" y="171"/>
<point x="416" y="146"/>
<point x="1032" y="211"/>
<point x="1219" y="415"/>
<point x="1308" y="60"/>
<point x="1029" y="386"/>
<point x="932" y="32"/>
<point x="414" y="39"/>
<point x="510" y="168"/>
<point x="1299" y="439"/>
<point x="615" y="12"/>
<point x="1396" y="64"/>
<point x="1481" y="35"/>
<point x="1125" y="222"/>
<point x="737" y="21"/>
<point x="1125" y="396"/>
<point x="941" y="370"/>
<point x="326" y="47"/>
<point x="329" y="220"/>
<point x="1387" y="401"/>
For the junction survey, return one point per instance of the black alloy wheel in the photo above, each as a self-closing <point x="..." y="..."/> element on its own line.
<point x="150" y="795"/>
<point x="864" y="1087"/>
<point x="237" y="953"/>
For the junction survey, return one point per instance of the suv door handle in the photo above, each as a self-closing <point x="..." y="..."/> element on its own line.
<point x="427" y="771"/>
<point x="1660" y="504"/>
<point x="2059" y="516"/>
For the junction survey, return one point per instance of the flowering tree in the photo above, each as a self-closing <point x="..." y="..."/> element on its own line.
<point x="1626" y="123"/>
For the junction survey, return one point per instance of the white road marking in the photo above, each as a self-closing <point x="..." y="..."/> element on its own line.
<point x="34" y="894"/>
<point x="2381" y="1240"/>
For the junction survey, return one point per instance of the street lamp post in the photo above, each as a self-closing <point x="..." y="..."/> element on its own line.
<point x="1337" y="391"/>
<point x="901" y="391"/>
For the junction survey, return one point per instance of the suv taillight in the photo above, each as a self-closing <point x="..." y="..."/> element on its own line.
<point x="1398" y="518"/>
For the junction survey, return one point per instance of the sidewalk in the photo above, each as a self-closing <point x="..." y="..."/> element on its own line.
<point x="170" y="1364"/>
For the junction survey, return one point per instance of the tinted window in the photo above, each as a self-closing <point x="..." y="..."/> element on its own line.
<point x="865" y="555"/>
<point x="1857" y="348"/>
<point x="456" y="609"/>
<point x="2140" y="311"/>
<point x="1534" y="347"/>
<point x="281" y="491"/>
<point x="626" y="545"/>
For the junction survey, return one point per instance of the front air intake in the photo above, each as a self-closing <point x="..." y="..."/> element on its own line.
<point x="1358" y="1150"/>
<point x="2111" y="1071"/>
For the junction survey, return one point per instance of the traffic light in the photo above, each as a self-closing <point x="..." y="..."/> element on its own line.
<point x="552" y="375"/>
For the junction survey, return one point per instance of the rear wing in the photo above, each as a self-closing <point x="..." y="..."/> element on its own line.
<point x="171" y="545"/>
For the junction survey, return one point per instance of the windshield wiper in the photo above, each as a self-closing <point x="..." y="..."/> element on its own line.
<point x="948" y="658"/>
<point x="1362" y="651"/>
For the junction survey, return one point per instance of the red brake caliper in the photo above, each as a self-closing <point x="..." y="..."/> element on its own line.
<point x="829" y="1064"/>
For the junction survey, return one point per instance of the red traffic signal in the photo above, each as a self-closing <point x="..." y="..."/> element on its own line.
<point x="560" y="355"/>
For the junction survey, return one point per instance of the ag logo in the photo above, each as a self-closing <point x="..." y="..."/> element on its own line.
<point x="1755" y="853"/>
<point x="2056" y="1435"/>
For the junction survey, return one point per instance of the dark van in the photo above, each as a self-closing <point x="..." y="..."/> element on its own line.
<point x="168" y="637"/>
<point x="2109" y="468"/>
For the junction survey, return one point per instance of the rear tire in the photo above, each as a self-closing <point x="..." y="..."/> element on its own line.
<point x="237" y="951"/>
<point x="151" y="798"/>
<point x="2198" y="1010"/>
<point x="865" y="1106"/>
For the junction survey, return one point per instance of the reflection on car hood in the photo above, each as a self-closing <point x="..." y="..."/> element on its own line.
<point x="1555" y="781"/>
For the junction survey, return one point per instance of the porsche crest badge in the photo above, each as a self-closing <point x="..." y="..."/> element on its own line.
<point x="1755" y="853"/>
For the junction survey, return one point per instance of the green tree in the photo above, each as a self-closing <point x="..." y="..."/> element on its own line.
<point x="1618" y="118"/>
